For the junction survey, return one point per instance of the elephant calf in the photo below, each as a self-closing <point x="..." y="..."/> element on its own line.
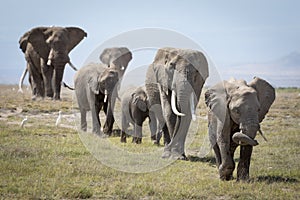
<point x="96" y="88"/>
<point x="134" y="111"/>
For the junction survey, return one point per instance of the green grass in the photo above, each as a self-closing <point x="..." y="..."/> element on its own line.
<point x="42" y="161"/>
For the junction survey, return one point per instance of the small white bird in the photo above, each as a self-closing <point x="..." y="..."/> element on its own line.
<point x="58" y="120"/>
<point x="24" y="122"/>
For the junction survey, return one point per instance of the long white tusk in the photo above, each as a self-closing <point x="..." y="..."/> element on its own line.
<point x="49" y="62"/>
<point x="261" y="133"/>
<point x="71" y="65"/>
<point x="22" y="79"/>
<point x="105" y="96"/>
<point x="192" y="105"/>
<point x="173" y="105"/>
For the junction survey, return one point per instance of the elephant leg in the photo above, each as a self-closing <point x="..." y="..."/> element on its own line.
<point x="47" y="72"/>
<point x="125" y="126"/>
<point x="83" y="120"/>
<point x="109" y="122"/>
<point x="244" y="163"/>
<point x="166" y="134"/>
<point x="177" y="143"/>
<point x="152" y="125"/>
<point x="95" y="115"/>
<point x="227" y="165"/>
<point x="167" y="113"/>
<point x="56" y="81"/>
<point x="36" y="81"/>
<point x="138" y="131"/>
<point x="217" y="155"/>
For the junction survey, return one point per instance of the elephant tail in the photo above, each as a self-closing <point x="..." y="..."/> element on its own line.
<point x="66" y="86"/>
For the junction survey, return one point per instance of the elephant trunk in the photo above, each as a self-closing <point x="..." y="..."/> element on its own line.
<point x="57" y="79"/>
<point x="246" y="135"/>
<point x="243" y="139"/>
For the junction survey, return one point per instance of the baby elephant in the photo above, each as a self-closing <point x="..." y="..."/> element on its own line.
<point x="134" y="111"/>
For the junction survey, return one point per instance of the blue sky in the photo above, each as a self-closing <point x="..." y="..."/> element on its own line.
<point x="231" y="32"/>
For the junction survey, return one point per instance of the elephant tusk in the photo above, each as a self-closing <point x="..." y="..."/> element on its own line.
<point x="261" y="133"/>
<point x="105" y="96"/>
<point x="173" y="105"/>
<point x="22" y="79"/>
<point x="72" y="66"/>
<point x="122" y="68"/>
<point x="49" y="62"/>
<point x="192" y="105"/>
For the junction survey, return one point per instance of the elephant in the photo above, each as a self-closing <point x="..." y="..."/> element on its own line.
<point x="95" y="88"/>
<point x="135" y="110"/>
<point x="117" y="58"/>
<point x="173" y="83"/>
<point x="236" y="110"/>
<point x="46" y="51"/>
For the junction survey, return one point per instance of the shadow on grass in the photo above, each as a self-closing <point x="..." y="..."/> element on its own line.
<point x="211" y="160"/>
<point x="275" y="179"/>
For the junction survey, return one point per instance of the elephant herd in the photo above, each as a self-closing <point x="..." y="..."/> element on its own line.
<point x="173" y="85"/>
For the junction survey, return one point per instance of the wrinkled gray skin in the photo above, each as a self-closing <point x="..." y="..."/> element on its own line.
<point x="182" y="72"/>
<point x="134" y="108"/>
<point x="92" y="82"/>
<point x="236" y="109"/>
<point x="46" y="51"/>
<point x="116" y="58"/>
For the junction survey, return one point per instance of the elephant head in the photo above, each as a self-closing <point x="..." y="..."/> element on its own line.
<point x="52" y="44"/>
<point x="245" y="104"/>
<point x="140" y="100"/>
<point x="104" y="83"/>
<point x="117" y="57"/>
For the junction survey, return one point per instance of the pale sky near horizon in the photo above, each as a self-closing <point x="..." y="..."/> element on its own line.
<point x="230" y="32"/>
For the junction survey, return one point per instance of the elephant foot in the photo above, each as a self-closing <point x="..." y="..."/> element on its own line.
<point x="137" y="140"/>
<point x="166" y="154"/>
<point x="226" y="173"/>
<point x="33" y="98"/>
<point x="123" y="140"/>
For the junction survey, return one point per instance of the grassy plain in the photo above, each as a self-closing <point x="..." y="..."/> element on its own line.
<point x="42" y="161"/>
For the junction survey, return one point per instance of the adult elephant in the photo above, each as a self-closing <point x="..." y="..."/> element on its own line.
<point x="236" y="109"/>
<point x="118" y="59"/>
<point x="95" y="88"/>
<point x="46" y="51"/>
<point x="173" y="83"/>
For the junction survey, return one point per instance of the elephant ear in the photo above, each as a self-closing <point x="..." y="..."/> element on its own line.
<point x="119" y="56"/>
<point x="218" y="97"/>
<point x="23" y="41"/>
<point x="105" y="56"/>
<point x="75" y="36"/>
<point x="198" y="60"/>
<point x="37" y="37"/>
<point x="265" y="93"/>
<point x="216" y="100"/>
<point x="94" y="84"/>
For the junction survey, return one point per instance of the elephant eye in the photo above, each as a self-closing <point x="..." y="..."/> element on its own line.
<point x="236" y="110"/>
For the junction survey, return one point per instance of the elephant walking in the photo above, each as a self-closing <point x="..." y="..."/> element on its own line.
<point x="134" y="111"/>
<point x="116" y="58"/>
<point x="96" y="89"/>
<point x="46" y="51"/>
<point x="173" y="83"/>
<point x="235" y="111"/>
